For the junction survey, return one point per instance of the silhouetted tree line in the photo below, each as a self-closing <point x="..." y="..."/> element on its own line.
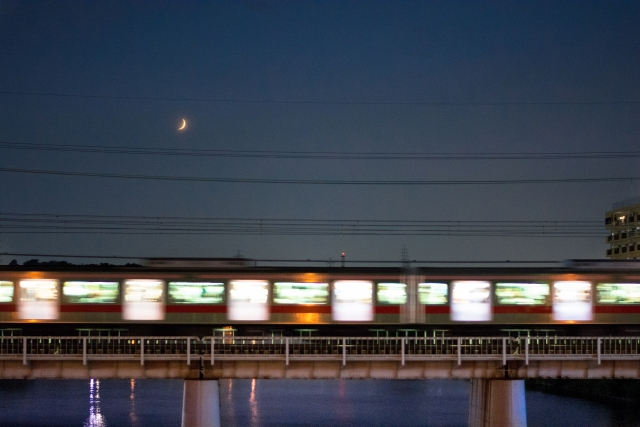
<point x="36" y="263"/>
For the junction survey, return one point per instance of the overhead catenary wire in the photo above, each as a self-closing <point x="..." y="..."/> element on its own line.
<point x="317" y="155"/>
<point x="27" y="223"/>
<point x="462" y="233"/>
<point x="231" y="180"/>
<point x="319" y="102"/>
<point x="154" y="217"/>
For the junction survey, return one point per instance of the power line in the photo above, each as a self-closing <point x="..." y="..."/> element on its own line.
<point x="320" y="181"/>
<point x="318" y="155"/>
<point x="309" y="233"/>
<point x="318" y="102"/>
<point x="65" y="217"/>
<point x="294" y="261"/>
<point x="13" y="223"/>
<point x="284" y="229"/>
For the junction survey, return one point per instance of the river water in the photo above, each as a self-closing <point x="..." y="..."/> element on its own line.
<point x="279" y="403"/>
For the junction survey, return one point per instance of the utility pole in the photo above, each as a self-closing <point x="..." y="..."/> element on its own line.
<point x="405" y="257"/>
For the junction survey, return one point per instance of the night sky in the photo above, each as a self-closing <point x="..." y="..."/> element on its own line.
<point x="279" y="80"/>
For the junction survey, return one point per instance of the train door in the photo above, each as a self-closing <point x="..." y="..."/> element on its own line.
<point x="38" y="299"/>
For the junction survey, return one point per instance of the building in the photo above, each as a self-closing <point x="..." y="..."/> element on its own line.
<point x="623" y="225"/>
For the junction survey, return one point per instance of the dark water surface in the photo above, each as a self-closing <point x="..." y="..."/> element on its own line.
<point x="271" y="403"/>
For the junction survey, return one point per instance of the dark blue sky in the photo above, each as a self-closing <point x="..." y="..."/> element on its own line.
<point x="400" y="77"/>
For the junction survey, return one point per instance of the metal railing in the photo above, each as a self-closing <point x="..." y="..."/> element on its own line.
<point x="99" y="348"/>
<point x="287" y="349"/>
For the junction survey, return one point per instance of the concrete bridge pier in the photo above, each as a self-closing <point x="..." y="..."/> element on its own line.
<point x="497" y="403"/>
<point x="201" y="403"/>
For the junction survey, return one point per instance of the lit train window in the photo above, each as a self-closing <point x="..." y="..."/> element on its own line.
<point x="572" y="300"/>
<point x="38" y="299"/>
<point x="618" y="293"/>
<point x="522" y="293"/>
<point x="90" y="292"/>
<point x="392" y="293"/>
<point x="432" y="293"/>
<point x="6" y="291"/>
<point x="39" y="290"/>
<point x="470" y="301"/>
<point x="248" y="300"/>
<point x="143" y="290"/>
<point x="300" y="293"/>
<point x="196" y="292"/>
<point x="143" y="300"/>
<point x="352" y="301"/>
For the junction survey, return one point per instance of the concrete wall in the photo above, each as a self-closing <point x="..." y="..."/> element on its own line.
<point x="76" y="370"/>
<point x="320" y="369"/>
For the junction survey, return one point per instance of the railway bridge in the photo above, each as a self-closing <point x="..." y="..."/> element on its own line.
<point x="496" y="366"/>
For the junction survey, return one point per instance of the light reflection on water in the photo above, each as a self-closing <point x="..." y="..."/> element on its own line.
<point x="342" y="406"/>
<point x="271" y="403"/>
<point x="133" y="418"/>
<point x="226" y="396"/>
<point x="95" y="417"/>
<point x="253" y="404"/>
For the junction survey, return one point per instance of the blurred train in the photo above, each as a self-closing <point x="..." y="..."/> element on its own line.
<point x="236" y="293"/>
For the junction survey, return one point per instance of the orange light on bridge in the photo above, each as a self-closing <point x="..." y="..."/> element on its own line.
<point x="310" y="278"/>
<point x="310" y="318"/>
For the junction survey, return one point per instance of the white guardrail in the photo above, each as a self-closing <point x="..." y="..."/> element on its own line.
<point x="287" y="349"/>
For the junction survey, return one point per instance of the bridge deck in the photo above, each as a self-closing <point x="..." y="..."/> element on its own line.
<point x="346" y="349"/>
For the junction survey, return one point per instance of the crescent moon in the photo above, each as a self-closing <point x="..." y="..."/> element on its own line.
<point x="184" y="124"/>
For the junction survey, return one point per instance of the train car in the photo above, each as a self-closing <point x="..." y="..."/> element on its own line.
<point x="239" y="293"/>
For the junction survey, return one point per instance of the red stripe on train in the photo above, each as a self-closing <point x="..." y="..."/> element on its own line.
<point x="196" y="308"/>
<point x="8" y="307"/>
<point x="617" y="309"/>
<point x="325" y="309"/>
<point x="90" y="308"/>
<point x="388" y="309"/>
<point x="436" y="309"/>
<point x="522" y="309"/>
<point x="321" y="309"/>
